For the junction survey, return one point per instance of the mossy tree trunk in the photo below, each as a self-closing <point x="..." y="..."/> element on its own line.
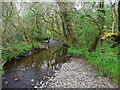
<point x="66" y="10"/>
<point x="100" y="24"/>
<point x="119" y="16"/>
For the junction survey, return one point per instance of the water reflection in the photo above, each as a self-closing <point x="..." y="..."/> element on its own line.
<point x="37" y="66"/>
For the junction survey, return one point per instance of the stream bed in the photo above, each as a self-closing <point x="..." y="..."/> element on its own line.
<point x="35" y="70"/>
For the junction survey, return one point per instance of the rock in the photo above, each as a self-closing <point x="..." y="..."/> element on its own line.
<point x="23" y="69"/>
<point x="3" y="78"/>
<point x="32" y="80"/>
<point x="35" y="86"/>
<point x="75" y="74"/>
<point x="6" y="82"/>
<point x="16" y="79"/>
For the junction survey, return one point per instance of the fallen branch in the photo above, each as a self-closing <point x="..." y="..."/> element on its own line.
<point x="1" y="49"/>
<point x="114" y="53"/>
<point x="109" y="35"/>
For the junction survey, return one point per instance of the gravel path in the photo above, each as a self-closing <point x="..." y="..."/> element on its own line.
<point x="77" y="74"/>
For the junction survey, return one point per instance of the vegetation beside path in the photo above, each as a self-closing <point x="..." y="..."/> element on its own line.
<point x="90" y="28"/>
<point x="104" y="59"/>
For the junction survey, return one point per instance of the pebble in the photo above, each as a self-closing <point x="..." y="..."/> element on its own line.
<point x="32" y="80"/>
<point x="6" y="82"/>
<point x="35" y="86"/>
<point x="32" y="85"/>
<point x="75" y="74"/>
<point x="16" y="79"/>
<point x="23" y="69"/>
<point x="27" y="68"/>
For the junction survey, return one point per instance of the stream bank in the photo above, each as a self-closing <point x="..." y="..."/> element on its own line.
<point x="51" y="68"/>
<point x="35" y="69"/>
<point x="14" y="52"/>
<point x="77" y="74"/>
<point x="107" y="64"/>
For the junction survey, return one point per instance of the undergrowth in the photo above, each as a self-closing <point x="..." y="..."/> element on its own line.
<point x="103" y="58"/>
<point x="13" y="51"/>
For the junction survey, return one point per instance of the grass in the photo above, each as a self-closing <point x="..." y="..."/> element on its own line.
<point x="13" y="51"/>
<point x="103" y="59"/>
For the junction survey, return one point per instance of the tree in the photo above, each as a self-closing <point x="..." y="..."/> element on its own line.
<point x="100" y="25"/>
<point x="66" y="10"/>
<point x="119" y="16"/>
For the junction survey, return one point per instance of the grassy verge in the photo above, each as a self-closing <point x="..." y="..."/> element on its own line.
<point x="13" y="51"/>
<point x="103" y="59"/>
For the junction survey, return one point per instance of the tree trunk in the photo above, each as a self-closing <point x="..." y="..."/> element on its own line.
<point x="119" y="16"/>
<point x="66" y="9"/>
<point x="100" y="26"/>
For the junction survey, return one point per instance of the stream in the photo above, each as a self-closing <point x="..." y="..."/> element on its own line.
<point x="35" y="69"/>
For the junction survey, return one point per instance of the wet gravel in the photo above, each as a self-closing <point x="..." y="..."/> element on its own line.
<point x="73" y="74"/>
<point x="77" y="74"/>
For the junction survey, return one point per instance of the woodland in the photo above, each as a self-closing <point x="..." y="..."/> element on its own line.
<point x="91" y="30"/>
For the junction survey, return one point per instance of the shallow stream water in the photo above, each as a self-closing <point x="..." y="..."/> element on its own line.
<point x="34" y="70"/>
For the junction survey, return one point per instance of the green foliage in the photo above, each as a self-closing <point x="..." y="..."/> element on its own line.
<point x="86" y="24"/>
<point x="14" y="51"/>
<point x="36" y="44"/>
<point x="100" y="73"/>
<point x="1" y="71"/>
<point x="87" y="29"/>
<point x="103" y="59"/>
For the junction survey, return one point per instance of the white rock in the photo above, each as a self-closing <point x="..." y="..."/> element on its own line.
<point x="32" y="80"/>
<point x="35" y="86"/>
